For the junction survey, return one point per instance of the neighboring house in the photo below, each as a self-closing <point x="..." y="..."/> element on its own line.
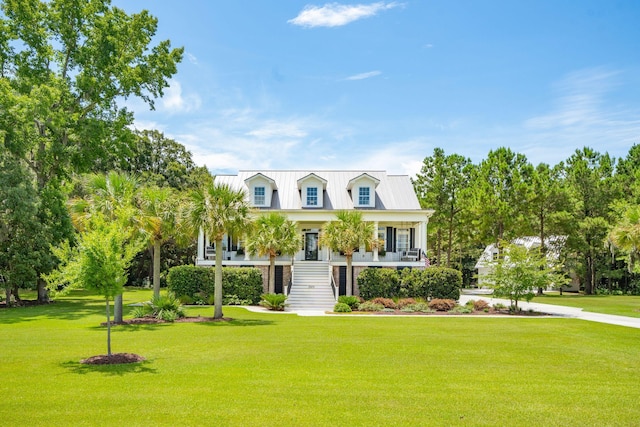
<point x="554" y="245"/>
<point x="312" y="198"/>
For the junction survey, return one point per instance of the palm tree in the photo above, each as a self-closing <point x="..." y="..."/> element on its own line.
<point x="346" y="235"/>
<point x="626" y="234"/>
<point x="158" y="207"/>
<point x="273" y="234"/>
<point x="217" y="209"/>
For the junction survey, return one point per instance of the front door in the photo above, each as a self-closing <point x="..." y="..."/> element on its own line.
<point x="311" y="247"/>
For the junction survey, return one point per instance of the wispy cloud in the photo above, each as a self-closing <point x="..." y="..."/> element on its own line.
<point x="174" y="101"/>
<point x="192" y="58"/>
<point x="363" y="76"/>
<point x="336" y="15"/>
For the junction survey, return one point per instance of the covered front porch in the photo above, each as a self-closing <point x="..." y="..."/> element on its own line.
<point x="400" y="244"/>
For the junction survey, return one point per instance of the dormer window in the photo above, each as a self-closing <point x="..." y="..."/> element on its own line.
<point x="364" y="196"/>
<point x="363" y="190"/>
<point x="260" y="190"/>
<point x="312" y="196"/>
<point x="258" y="196"/>
<point x="312" y="188"/>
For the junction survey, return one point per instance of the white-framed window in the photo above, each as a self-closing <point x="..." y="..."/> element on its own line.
<point x="312" y="196"/>
<point x="258" y="196"/>
<point x="364" y="196"/>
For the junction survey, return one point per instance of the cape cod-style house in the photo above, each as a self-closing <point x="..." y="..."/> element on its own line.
<point x="315" y="276"/>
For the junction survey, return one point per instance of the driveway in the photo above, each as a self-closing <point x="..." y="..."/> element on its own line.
<point x="578" y="313"/>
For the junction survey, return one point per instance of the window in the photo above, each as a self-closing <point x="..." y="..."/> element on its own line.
<point x="258" y="196"/>
<point x="402" y="239"/>
<point x="363" y="196"/>
<point x="312" y="196"/>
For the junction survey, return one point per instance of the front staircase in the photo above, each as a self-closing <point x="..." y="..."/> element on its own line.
<point x="311" y="287"/>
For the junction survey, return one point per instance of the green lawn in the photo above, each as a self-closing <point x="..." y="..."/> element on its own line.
<point x="622" y="305"/>
<point x="285" y="370"/>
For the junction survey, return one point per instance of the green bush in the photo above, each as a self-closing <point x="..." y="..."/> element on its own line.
<point x="461" y="309"/>
<point x="166" y="307"/>
<point x="235" y="300"/>
<point x="275" y="302"/>
<point x="378" y="282"/>
<point x="370" y="306"/>
<point x="421" y="307"/>
<point x="351" y="301"/>
<point x="342" y="308"/>
<point x="197" y="284"/>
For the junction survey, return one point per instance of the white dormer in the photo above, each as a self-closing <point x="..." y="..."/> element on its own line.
<point x="363" y="190"/>
<point x="311" y="189"/>
<point x="261" y="189"/>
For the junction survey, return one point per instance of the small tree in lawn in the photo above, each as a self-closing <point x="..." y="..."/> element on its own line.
<point x="519" y="272"/>
<point x="346" y="235"/>
<point x="98" y="262"/>
<point x="273" y="234"/>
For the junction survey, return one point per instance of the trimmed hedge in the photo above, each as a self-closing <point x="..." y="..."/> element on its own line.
<point x="378" y="282"/>
<point x="198" y="283"/>
<point x="430" y="283"/>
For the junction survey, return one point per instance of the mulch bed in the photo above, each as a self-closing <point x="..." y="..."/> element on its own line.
<point x="491" y="312"/>
<point x="114" y="359"/>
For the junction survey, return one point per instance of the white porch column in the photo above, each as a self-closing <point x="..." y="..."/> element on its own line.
<point x="375" y="237"/>
<point x="201" y="244"/>
<point x="423" y="236"/>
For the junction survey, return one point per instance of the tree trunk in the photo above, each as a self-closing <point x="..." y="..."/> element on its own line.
<point x="7" y="292"/>
<point x="117" y="309"/>
<point x="16" y="294"/>
<point x="543" y="248"/>
<point x="438" y="246"/>
<point x="450" y="242"/>
<point x="156" y="268"/>
<point x="108" y="329"/>
<point x="43" y="292"/>
<point x="588" y="282"/>
<point x="217" y="293"/>
<point x="272" y="274"/>
<point x="349" y="289"/>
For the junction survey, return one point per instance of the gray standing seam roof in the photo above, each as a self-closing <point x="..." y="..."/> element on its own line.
<point x="394" y="192"/>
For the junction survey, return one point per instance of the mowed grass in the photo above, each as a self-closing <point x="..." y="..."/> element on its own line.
<point x="285" y="370"/>
<point x="621" y="305"/>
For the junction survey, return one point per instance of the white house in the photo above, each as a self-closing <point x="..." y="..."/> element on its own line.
<point x="312" y="198"/>
<point x="554" y="245"/>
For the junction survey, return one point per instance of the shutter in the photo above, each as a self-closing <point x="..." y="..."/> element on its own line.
<point x="342" y="280"/>
<point x="412" y="238"/>
<point x="390" y="239"/>
<point x="279" y="289"/>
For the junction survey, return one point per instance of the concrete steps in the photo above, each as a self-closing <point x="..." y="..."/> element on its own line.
<point x="311" y="288"/>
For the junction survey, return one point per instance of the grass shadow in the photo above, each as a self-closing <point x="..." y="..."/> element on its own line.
<point x="238" y="322"/>
<point x="111" y="370"/>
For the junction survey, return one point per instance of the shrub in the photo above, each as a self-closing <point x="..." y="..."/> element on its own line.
<point x="235" y="300"/>
<point x="385" y="302"/>
<point x="198" y="283"/>
<point x="443" y="283"/>
<point x="378" y="282"/>
<point x="189" y="280"/>
<point x="440" y="304"/>
<point x="403" y="302"/>
<point x="342" y="308"/>
<point x="461" y="309"/>
<point x="420" y="307"/>
<point x="166" y="307"/>
<point x="499" y="306"/>
<point x="275" y="302"/>
<point x="480" y="305"/>
<point x="370" y="306"/>
<point x="351" y="301"/>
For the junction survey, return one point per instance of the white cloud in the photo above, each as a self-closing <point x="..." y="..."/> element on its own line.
<point x="363" y="76"/>
<point x="335" y="14"/>
<point x="192" y="58"/>
<point x="275" y="129"/>
<point x="174" y="101"/>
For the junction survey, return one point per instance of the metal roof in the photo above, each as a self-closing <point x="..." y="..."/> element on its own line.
<point x="394" y="192"/>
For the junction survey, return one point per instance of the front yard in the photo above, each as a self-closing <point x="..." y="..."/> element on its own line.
<point x="267" y="369"/>
<point x="621" y="305"/>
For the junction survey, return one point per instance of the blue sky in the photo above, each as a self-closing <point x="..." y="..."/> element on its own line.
<point x="378" y="85"/>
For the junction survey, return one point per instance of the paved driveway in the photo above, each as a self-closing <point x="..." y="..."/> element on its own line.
<point x="578" y="313"/>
